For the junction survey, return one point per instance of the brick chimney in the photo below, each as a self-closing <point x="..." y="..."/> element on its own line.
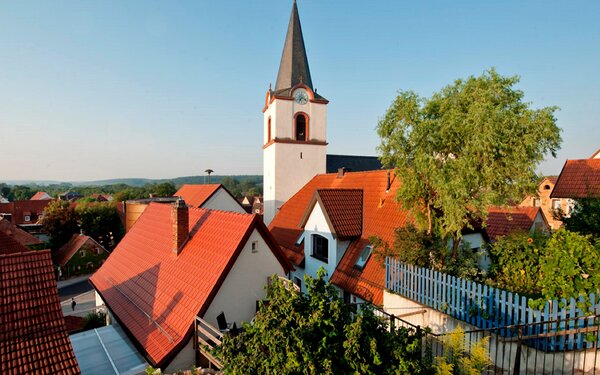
<point x="180" y="223"/>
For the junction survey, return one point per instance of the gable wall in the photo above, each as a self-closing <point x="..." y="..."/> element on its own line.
<point x="221" y="200"/>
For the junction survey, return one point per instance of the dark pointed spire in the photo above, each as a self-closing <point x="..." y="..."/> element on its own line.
<point x="293" y="68"/>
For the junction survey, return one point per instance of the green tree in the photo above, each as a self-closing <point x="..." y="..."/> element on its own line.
<point x="60" y="222"/>
<point x="474" y="144"/>
<point x="22" y="193"/>
<point x="316" y="333"/>
<point x="165" y="189"/>
<point x="585" y="217"/>
<point x="101" y="221"/>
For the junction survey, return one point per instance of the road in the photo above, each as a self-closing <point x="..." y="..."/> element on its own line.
<point x="69" y="291"/>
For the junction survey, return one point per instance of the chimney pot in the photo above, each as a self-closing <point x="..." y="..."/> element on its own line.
<point x="180" y="223"/>
<point x="341" y="172"/>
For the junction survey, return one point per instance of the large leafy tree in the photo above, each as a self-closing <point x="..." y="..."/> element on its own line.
<point x="473" y="144"/>
<point x="101" y="221"/>
<point x="585" y="217"/>
<point x="60" y="222"/>
<point x="316" y="333"/>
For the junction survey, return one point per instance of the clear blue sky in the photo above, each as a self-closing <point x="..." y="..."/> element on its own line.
<point x="159" y="89"/>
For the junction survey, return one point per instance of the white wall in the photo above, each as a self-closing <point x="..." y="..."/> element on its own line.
<point x="184" y="360"/>
<point x="221" y="200"/>
<point x="316" y="224"/>
<point x="245" y="283"/>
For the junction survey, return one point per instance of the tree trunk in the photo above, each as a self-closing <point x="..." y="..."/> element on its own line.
<point x="429" y="223"/>
<point x="455" y="243"/>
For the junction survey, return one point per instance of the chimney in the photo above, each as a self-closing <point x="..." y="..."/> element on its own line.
<point x="341" y="172"/>
<point x="180" y="223"/>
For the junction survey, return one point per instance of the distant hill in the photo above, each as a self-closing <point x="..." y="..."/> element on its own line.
<point x="138" y="182"/>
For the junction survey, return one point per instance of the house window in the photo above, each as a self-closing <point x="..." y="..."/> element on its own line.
<point x="364" y="256"/>
<point x="255" y="246"/>
<point x="546" y="187"/>
<point x="320" y="247"/>
<point x="298" y="282"/>
<point x="27" y="218"/>
<point x="301" y="125"/>
<point x="269" y="130"/>
<point x="555" y="204"/>
<point x="537" y="202"/>
<point x="82" y="253"/>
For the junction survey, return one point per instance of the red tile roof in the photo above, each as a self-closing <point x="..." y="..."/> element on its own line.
<point x="196" y="195"/>
<point x="18" y="210"/>
<point x="9" y="245"/>
<point x="343" y="210"/>
<point x="155" y="294"/>
<point x="41" y="195"/>
<point x="33" y="337"/>
<point x="381" y="216"/>
<point x="66" y="252"/>
<point x="18" y="234"/>
<point x="578" y="179"/>
<point x="502" y="221"/>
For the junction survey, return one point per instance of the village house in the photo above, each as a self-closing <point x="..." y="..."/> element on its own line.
<point x="550" y="207"/>
<point x="178" y="263"/>
<point x="18" y="234"/>
<point x="579" y="179"/>
<point x="80" y="255"/>
<point x="41" y="196"/>
<point x="33" y="336"/>
<point x="24" y="212"/>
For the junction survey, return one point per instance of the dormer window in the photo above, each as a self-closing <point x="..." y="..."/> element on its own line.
<point x="320" y="246"/>
<point x="300" y="127"/>
<point x="364" y="257"/>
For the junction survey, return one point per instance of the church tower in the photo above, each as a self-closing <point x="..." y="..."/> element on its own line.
<point x="295" y="119"/>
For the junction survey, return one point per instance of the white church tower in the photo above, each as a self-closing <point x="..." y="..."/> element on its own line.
<point x="295" y="119"/>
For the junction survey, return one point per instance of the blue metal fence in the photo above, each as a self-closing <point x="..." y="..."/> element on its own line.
<point x="487" y="307"/>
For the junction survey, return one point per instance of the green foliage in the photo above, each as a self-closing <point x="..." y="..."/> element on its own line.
<point x="316" y="333"/>
<point x="473" y="144"/>
<point x="585" y="217"/>
<point x="21" y="193"/>
<point x="60" y="222"/>
<point x="165" y="189"/>
<point x="101" y="221"/>
<point x="94" y="320"/>
<point x="570" y="267"/>
<point x="457" y="360"/>
<point x="516" y="262"/>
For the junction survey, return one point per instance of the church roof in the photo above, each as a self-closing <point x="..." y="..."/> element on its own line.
<point x="352" y="163"/>
<point x="293" y="68"/>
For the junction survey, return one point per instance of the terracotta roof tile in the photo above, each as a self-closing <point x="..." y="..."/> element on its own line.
<point x="64" y="254"/>
<point x="18" y="234"/>
<point x="343" y="209"/>
<point x="9" y="245"/>
<point x="196" y="195"/>
<point x="18" y="210"/>
<point x="578" y="179"/>
<point x="155" y="294"/>
<point x="41" y="195"/>
<point x="33" y="337"/>
<point x="503" y="221"/>
<point x="381" y="216"/>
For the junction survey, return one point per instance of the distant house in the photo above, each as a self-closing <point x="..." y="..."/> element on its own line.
<point x="41" y="196"/>
<point x="18" y="234"/>
<point x="23" y="212"/>
<point x="69" y="196"/>
<point x="179" y="262"/>
<point x="3" y="200"/>
<point x="502" y="221"/>
<point x="579" y="179"/>
<point x="549" y="206"/>
<point x="80" y="255"/>
<point x="101" y="197"/>
<point x="33" y="336"/>
<point x="252" y="204"/>
<point x="211" y="196"/>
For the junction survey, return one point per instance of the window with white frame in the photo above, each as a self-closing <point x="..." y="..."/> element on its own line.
<point x="364" y="256"/>
<point x="320" y="247"/>
<point x="27" y="218"/>
<point x="555" y="204"/>
<point x="537" y="202"/>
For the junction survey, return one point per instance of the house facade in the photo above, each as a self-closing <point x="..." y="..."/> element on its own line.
<point x="548" y="205"/>
<point x="80" y="255"/>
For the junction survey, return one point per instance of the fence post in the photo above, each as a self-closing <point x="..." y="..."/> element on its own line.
<point x="517" y="367"/>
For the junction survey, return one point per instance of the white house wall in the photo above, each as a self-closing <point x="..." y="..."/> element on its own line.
<point x="222" y="200"/>
<point x="317" y="224"/>
<point x="245" y="283"/>
<point x="184" y="360"/>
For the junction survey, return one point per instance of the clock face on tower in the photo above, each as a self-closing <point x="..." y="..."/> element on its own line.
<point x="301" y="97"/>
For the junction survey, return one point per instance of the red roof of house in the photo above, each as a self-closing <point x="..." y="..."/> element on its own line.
<point x="33" y="337"/>
<point x="197" y="195"/>
<point x="343" y="210"/>
<point x="9" y="245"/>
<point x="18" y="234"/>
<point x="41" y="195"/>
<point x="381" y="216"/>
<point x="578" y="179"/>
<point x="595" y="155"/>
<point x="502" y="221"/>
<point x="157" y="295"/>
<point x="18" y="210"/>
<point x="66" y="252"/>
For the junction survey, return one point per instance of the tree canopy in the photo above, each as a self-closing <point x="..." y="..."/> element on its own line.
<point x="60" y="222"/>
<point x="473" y="144"/>
<point x="584" y="218"/>
<point x="316" y="333"/>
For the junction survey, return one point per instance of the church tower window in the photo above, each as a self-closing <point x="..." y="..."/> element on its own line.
<point x="269" y="130"/>
<point x="301" y="127"/>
